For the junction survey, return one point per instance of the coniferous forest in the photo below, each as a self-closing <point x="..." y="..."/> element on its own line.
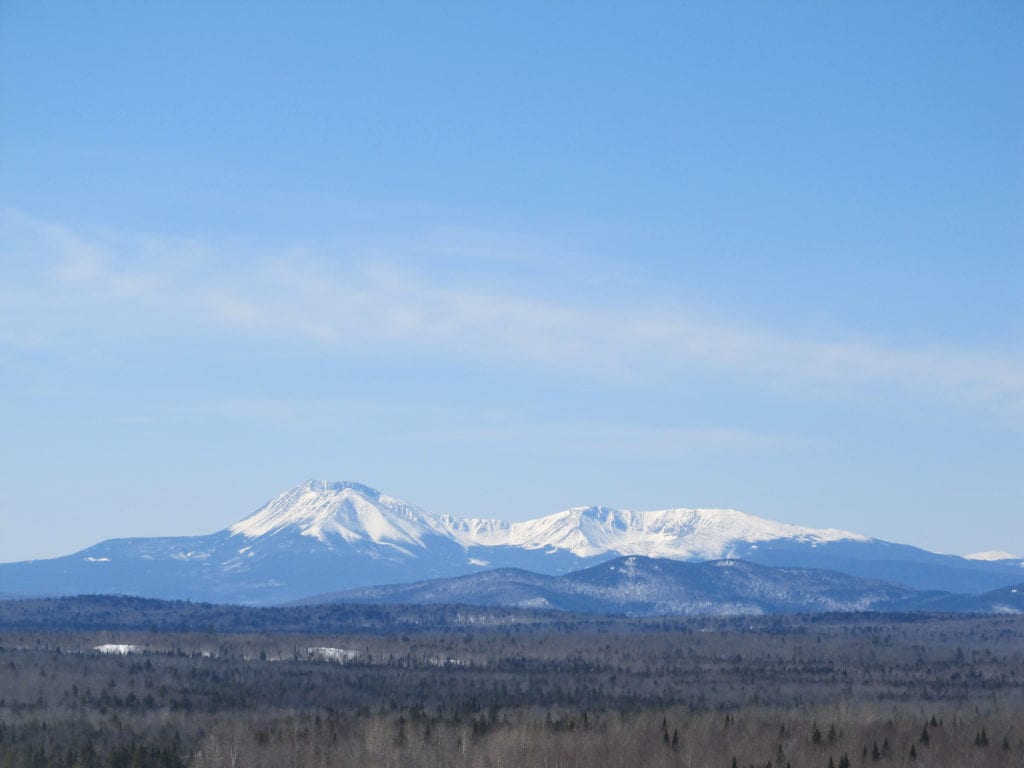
<point x="458" y="686"/>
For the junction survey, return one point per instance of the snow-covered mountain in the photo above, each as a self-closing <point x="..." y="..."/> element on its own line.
<point x="352" y="513"/>
<point x="321" y="537"/>
<point x="349" y="512"/>
<point x="681" y="534"/>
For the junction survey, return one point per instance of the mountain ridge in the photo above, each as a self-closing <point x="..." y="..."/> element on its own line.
<point x="315" y="507"/>
<point x="325" y="536"/>
<point x="642" y="586"/>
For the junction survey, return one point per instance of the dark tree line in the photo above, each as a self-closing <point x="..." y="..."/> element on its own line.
<point x="794" y="691"/>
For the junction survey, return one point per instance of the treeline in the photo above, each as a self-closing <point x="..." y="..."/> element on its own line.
<point x="853" y="691"/>
<point x="748" y="738"/>
<point x="110" y="612"/>
<point x="84" y="613"/>
<point x="79" y="743"/>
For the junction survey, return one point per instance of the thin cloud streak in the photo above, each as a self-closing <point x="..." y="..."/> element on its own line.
<point x="435" y="426"/>
<point x="91" y="284"/>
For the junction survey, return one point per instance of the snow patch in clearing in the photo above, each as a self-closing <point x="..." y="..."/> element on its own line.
<point x="1006" y="610"/>
<point x="119" y="649"/>
<point x="439" y="662"/>
<point x="338" y="655"/>
<point x="533" y="602"/>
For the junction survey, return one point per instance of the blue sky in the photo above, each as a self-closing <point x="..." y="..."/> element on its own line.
<point x="499" y="261"/>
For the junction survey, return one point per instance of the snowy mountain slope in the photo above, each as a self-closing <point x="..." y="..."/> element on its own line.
<point x="319" y="537"/>
<point x="347" y="511"/>
<point x="311" y="537"/>
<point x="350" y="513"/>
<point x="676" y="533"/>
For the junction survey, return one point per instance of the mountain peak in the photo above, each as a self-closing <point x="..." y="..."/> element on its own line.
<point x="328" y="511"/>
<point x="339" y="485"/>
<point x="321" y="536"/>
<point x="684" y="533"/>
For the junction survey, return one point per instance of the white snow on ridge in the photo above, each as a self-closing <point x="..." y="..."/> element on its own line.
<point x="677" y="533"/>
<point x="475" y="531"/>
<point x="992" y="556"/>
<point x="338" y="510"/>
<point x="352" y="512"/>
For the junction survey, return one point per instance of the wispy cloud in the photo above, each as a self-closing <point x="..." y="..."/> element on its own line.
<point x="435" y="425"/>
<point x="67" y="282"/>
<point x="594" y="437"/>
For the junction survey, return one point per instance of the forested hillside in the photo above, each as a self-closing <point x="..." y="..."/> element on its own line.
<point x="798" y="691"/>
